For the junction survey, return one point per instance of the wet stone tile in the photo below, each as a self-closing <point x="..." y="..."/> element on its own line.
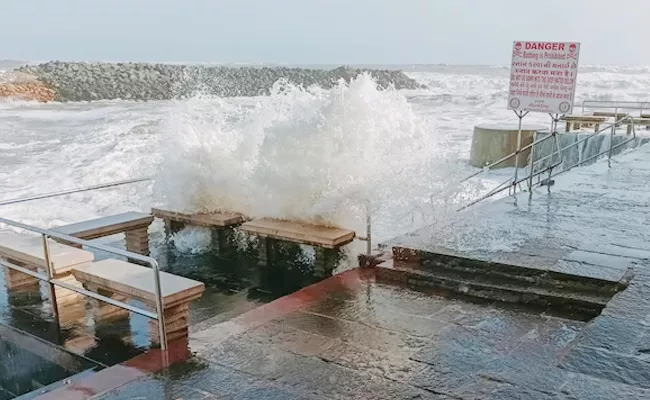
<point x="447" y="377"/>
<point x="375" y="338"/>
<point x="396" y="366"/>
<point x="154" y="389"/>
<point x="632" y="303"/>
<point x="613" y="334"/>
<point x="617" y="250"/>
<point x="605" y="260"/>
<point x="221" y="381"/>
<point x="288" y="339"/>
<point x="526" y="374"/>
<point x="584" y="387"/>
<point x="587" y="270"/>
<point x="398" y="299"/>
<point x="544" y="344"/>
<point x="519" y="393"/>
<point x="607" y="365"/>
<point x="479" y="388"/>
<point x="464" y="314"/>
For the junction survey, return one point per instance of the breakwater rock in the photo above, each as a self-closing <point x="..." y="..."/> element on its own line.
<point x="24" y="87"/>
<point x="73" y="81"/>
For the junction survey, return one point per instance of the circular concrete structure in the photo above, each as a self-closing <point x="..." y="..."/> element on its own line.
<point x="490" y="143"/>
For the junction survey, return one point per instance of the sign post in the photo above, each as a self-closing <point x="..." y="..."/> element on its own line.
<point x="542" y="79"/>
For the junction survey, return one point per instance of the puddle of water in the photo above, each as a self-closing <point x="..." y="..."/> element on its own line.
<point x="28" y="365"/>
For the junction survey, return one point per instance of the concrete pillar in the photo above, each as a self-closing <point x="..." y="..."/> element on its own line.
<point x="176" y="323"/>
<point x="17" y="282"/>
<point x="137" y="241"/>
<point x="264" y="251"/>
<point x="490" y="143"/>
<point x="172" y="227"/>
<point x="324" y="262"/>
<point x="222" y="240"/>
<point x="104" y="312"/>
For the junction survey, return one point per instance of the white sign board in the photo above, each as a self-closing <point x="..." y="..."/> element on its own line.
<point x="543" y="76"/>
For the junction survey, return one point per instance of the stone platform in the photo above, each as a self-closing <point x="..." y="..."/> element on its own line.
<point x="354" y="336"/>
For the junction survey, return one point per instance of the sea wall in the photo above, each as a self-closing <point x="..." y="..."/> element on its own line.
<point x="72" y="81"/>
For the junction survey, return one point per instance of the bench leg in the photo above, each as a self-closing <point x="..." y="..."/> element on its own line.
<point x="176" y="323"/>
<point x="596" y="127"/>
<point x="221" y="240"/>
<point x="264" y="251"/>
<point x="137" y="241"/>
<point x="629" y="129"/>
<point x="324" y="262"/>
<point x="104" y="312"/>
<point x="172" y="227"/>
<point x="70" y="304"/>
<point x="18" y="282"/>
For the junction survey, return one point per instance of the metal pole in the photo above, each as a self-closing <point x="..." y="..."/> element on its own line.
<point x="49" y="269"/>
<point x="69" y="191"/>
<point x="162" y="329"/>
<point x="520" y="115"/>
<point x="368" y="229"/>
<point x="611" y="142"/>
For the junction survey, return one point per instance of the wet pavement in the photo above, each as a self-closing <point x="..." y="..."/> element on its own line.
<point x="355" y="336"/>
<point x="358" y="336"/>
<point x="235" y="284"/>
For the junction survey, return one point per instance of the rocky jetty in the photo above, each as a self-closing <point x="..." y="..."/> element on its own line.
<point x="73" y="81"/>
<point x="22" y="86"/>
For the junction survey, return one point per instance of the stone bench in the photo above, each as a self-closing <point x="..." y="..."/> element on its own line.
<point x="134" y="225"/>
<point x="218" y="222"/>
<point x="27" y="251"/>
<point x="637" y="121"/>
<point x="577" y="121"/>
<point x="121" y="280"/>
<point x="325" y="239"/>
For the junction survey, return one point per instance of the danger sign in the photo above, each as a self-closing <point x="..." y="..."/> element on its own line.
<point x="543" y="76"/>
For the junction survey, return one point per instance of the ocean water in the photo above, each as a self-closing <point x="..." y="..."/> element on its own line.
<point x="314" y="155"/>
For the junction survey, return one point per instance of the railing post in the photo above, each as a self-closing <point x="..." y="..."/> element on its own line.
<point x="160" y="310"/>
<point x="368" y="229"/>
<point x="50" y="275"/>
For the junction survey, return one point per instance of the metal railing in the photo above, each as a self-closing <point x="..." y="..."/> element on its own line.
<point x="49" y="277"/>
<point x="514" y="182"/>
<point x="640" y="106"/>
<point x="69" y="191"/>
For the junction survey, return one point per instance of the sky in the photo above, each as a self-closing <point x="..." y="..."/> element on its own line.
<point x="319" y="31"/>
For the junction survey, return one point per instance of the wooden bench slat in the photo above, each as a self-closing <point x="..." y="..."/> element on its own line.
<point x="29" y="250"/>
<point x="317" y="235"/>
<point x="216" y="219"/>
<point x="137" y="282"/>
<point x="106" y="226"/>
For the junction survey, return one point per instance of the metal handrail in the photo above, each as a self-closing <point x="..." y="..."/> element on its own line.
<point x="69" y="191"/>
<point x="607" y="127"/>
<point x="623" y="105"/>
<point x="46" y="234"/>
<point x="532" y="174"/>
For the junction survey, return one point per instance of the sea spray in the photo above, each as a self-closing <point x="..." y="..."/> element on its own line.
<point x="304" y="154"/>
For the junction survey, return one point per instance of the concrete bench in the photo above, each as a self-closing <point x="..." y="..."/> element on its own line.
<point x="219" y="222"/>
<point x="610" y="114"/>
<point x="577" y="121"/>
<point x="134" y="225"/>
<point x="325" y="239"/>
<point x="122" y="280"/>
<point x="27" y="251"/>
<point x="638" y="121"/>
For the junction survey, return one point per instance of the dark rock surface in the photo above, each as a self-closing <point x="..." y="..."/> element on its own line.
<point x="75" y="81"/>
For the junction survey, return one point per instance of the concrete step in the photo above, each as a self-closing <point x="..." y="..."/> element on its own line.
<point x="586" y="305"/>
<point x="544" y="278"/>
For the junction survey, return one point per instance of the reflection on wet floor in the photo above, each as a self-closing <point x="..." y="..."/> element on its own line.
<point x="351" y="337"/>
<point x="234" y="281"/>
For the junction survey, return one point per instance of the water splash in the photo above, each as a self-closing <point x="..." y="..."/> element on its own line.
<point x="301" y="153"/>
